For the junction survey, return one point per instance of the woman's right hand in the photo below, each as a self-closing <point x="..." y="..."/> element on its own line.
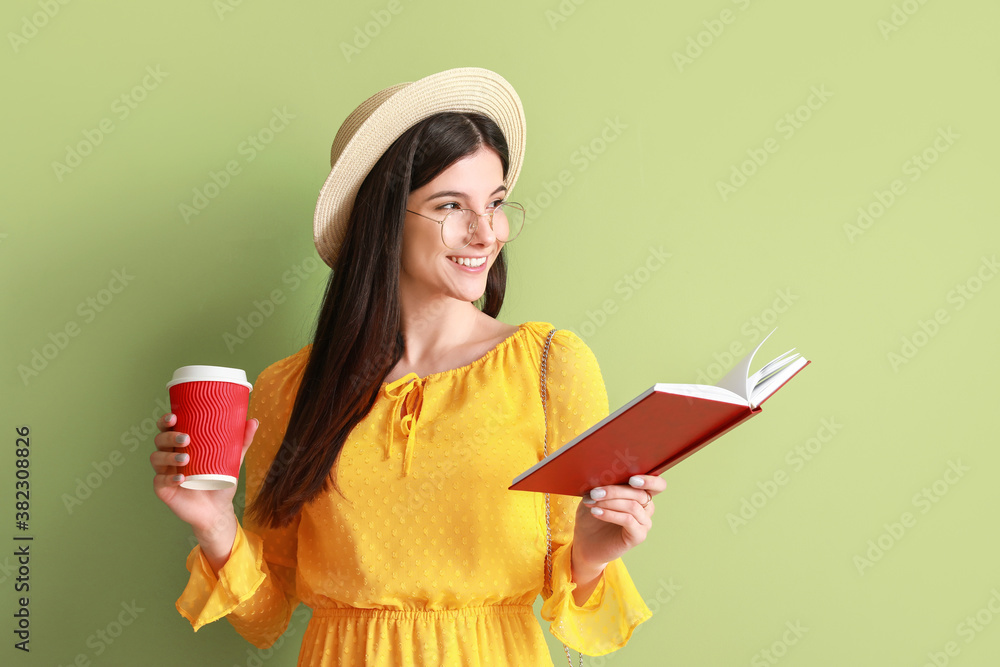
<point x="208" y="512"/>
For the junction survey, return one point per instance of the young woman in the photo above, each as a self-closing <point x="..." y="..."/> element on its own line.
<point x="381" y="452"/>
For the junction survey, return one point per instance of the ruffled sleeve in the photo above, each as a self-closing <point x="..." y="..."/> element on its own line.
<point x="605" y="622"/>
<point x="255" y="589"/>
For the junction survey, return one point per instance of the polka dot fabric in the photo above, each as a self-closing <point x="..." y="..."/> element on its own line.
<point x="427" y="558"/>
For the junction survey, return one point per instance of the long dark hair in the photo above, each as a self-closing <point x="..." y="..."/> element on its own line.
<point x="358" y="338"/>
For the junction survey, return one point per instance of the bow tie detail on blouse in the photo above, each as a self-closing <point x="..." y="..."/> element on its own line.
<point x="408" y="396"/>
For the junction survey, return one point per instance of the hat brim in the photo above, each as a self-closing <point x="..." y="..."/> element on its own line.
<point x="365" y="136"/>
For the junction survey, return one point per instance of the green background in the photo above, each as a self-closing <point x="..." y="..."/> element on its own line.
<point x="882" y="429"/>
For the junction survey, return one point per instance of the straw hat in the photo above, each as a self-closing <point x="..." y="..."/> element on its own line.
<point x="371" y="128"/>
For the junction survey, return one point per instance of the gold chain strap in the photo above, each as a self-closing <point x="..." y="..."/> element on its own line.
<point x="545" y="448"/>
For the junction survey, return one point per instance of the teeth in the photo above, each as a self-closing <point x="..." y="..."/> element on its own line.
<point x="468" y="261"/>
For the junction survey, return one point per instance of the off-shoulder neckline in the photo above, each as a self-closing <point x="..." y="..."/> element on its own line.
<point x="505" y="343"/>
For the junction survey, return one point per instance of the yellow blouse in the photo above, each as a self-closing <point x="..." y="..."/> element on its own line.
<point x="430" y="559"/>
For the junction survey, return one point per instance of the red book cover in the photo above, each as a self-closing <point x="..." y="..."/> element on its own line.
<point x="658" y="429"/>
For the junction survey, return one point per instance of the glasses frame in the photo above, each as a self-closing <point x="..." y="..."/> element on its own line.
<point x="475" y="225"/>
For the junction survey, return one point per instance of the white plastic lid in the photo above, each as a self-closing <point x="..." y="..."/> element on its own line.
<point x="209" y="374"/>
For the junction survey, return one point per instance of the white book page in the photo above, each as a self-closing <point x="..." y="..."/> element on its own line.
<point x="760" y="378"/>
<point x="737" y="380"/>
<point x="773" y="366"/>
<point x="701" y="391"/>
<point x="771" y="384"/>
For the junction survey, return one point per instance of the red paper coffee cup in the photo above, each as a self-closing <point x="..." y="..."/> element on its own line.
<point x="211" y="406"/>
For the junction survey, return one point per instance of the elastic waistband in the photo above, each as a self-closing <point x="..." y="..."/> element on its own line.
<point x="410" y="614"/>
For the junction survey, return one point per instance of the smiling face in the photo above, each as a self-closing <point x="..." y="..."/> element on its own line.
<point x="428" y="268"/>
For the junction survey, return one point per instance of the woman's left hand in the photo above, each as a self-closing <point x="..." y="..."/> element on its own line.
<point x="613" y="519"/>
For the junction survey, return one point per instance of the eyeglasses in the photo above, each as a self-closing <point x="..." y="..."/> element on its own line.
<point x="460" y="225"/>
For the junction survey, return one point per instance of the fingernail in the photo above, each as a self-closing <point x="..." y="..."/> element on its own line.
<point x="177" y="478"/>
<point x="181" y="438"/>
<point x="181" y="458"/>
<point x="168" y="418"/>
<point x="596" y="511"/>
<point x="635" y="480"/>
<point x="597" y="494"/>
<point x="589" y="501"/>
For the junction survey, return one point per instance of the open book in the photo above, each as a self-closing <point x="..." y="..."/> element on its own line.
<point x="659" y="428"/>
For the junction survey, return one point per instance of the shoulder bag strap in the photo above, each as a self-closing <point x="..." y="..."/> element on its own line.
<point x="543" y="390"/>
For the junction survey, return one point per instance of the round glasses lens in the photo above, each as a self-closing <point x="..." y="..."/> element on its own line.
<point x="508" y="220"/>
<point x="456" y="230"/>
